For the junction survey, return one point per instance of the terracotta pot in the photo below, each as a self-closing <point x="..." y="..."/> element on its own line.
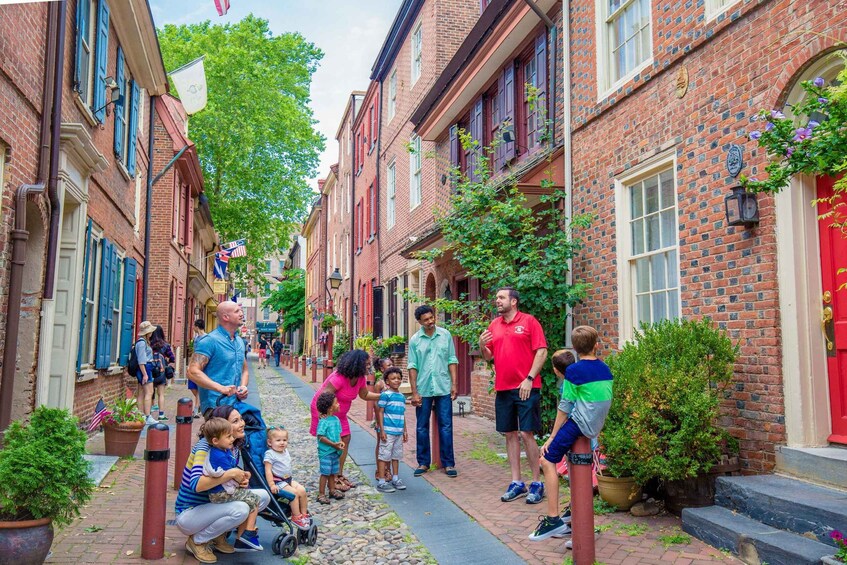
<point x="26" y="542"/>
<point x="620" y="492"/>
<point x="121" y="439"/>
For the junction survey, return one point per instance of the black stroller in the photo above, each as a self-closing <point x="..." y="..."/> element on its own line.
<point x="278" y="511"/>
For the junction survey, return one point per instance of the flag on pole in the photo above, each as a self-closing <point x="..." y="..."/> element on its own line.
<point x="100" y="412"/>
<point x="190" y="83"/>
<point x="222" y="6"/>
<point x="237" y="248"/>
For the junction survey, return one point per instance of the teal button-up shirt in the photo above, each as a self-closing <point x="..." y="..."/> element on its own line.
<point x="432" y="357"/>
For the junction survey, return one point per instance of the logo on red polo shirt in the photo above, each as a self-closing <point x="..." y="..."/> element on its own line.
<point x="519" y="329"/>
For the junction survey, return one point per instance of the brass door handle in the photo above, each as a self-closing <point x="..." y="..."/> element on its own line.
<point x="826" y="317"/>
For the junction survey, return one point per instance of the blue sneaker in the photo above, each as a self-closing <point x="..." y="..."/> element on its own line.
<point x="515" y="490"/>
<point x="536" y="493"/>
<point x="248" y="541"/>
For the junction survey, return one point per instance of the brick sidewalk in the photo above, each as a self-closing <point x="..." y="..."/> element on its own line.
<point x="484" y="476"/>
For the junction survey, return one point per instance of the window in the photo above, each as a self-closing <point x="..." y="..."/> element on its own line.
<point x="281" y="265"/>
<point x="417" y="37"/>
<point x="372" y="220"/>
<point x="534" y="69"/>
<point x="115" y="317"/>
<point x="90" y="282"/>
<point x="267" y="266"/>
<point x="392" y="95"/>
<point x="359" y="218"/>
<point x="346" y="200"/>
<point x="650" y="239"/>
<point x="392" y="307"/>
<point x="415" y="173"/>
<point x="126" y="115"/>
<point x="347" y="256"/>
<point x="628" y="43"/>
<point x="334" y="249"/>
<point x="92" y="55"/>
<point x="714" y="8"/>
<point x="266" y="313"/>
<point x="392" y="193"/>
<point x="373" y="127"/>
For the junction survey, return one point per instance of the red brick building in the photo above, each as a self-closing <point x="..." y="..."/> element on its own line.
<point x="367" y="290"/>
<point x="315" y="289"/>
<point x="72" y="349"/>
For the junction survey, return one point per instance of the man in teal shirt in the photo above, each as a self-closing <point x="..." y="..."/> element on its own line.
<point x="432" y="374"/>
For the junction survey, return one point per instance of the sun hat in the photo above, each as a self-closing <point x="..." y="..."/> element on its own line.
<point x="146" y="328"/>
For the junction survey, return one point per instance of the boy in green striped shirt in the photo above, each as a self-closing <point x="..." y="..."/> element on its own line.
<point x="586" y="398"/>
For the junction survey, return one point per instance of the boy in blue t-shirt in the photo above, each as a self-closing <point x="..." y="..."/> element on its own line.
<point x="330" y="446"/>
<point x="391" y="423"/>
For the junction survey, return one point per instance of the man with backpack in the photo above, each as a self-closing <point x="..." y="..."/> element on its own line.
<point x="277" y="347"/>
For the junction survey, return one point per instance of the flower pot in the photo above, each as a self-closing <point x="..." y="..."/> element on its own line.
<point x="620" y="492"/>
<point x="398" y="349"/>
<point x="831" y="560"/>
<point x="121" y="439"/>
<point x="25" y="542"/>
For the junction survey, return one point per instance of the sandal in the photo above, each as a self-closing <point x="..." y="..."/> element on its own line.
<point x="336" y="495"/>
<point x="322" y="499"/>
<point x="341" y="485"/>
<point x="346" y="481"/>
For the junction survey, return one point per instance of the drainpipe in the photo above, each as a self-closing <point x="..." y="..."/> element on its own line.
<point x="568" y="142"/>
<point x="20" y="235"/>
<point x="553" y="34"/>
<point x="353" y="286"/>
<point x="148" y="209"/>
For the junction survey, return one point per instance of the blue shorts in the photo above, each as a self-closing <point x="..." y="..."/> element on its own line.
<point x="192" y="385"/>
<point x="563" y="442"/>
<point x="140" y="376"/>
<point x="329" y="464"/>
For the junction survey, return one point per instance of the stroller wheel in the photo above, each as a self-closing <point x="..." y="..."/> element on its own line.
<point x="288" y="546"/>
<point x="276" y="546"/>
<point x="313" y="535"/>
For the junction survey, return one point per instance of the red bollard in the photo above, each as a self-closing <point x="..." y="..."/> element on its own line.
<point x="155" y="492"/>
<point x="582" y="503"/>
<point x="314" y="369"/>
<point x="296" y="364"/>
<point x="303" y="367"/>
<point x="184" y="419"/>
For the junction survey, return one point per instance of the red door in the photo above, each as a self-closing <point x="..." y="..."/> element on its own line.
<point x="834" y="308"/>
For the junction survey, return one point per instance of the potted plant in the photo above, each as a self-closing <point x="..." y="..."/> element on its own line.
<point x="396" y="344"/>
<point x="667" y="390"/>
<point x="329" y="321"/>
<point x="122" y="427"/>
<point x="616" y="483"/>
<point x="841" y="549"/>
<point x="43" y="481"/>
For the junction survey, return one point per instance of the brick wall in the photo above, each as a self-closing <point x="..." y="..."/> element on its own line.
<point x="737" y="65"/>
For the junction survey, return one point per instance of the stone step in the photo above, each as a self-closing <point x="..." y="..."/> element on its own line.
<point x="753" y="542"/>
<point x="821" y="465"/>
<point x="785" y="503"/>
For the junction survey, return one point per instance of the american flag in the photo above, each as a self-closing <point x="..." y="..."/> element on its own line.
<point x="237" y="248"/>
<point x="100" y="412"/>
<point x="222" y="6"/>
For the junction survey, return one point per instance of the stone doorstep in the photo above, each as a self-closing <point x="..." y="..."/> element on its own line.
<point x="821" y="465"/>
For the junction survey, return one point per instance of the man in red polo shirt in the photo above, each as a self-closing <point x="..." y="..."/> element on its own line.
<point x="516" y="343"/>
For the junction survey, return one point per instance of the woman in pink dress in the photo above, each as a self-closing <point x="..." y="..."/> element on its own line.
<point x="347" y="382"/>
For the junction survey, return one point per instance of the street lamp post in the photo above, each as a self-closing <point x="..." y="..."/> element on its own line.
<point x="332" y="283"/>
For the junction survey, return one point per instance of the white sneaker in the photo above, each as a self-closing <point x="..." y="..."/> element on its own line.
<point x="151" y="421"/>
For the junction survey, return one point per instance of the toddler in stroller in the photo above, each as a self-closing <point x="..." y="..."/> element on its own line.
<point x="278" y="511"/>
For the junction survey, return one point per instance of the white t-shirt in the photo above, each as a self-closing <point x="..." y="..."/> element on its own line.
<point x="280" y="463"/>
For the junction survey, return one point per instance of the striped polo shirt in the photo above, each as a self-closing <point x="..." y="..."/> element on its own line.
<point x="393" y="406"/>
<point x="587" y="395"/>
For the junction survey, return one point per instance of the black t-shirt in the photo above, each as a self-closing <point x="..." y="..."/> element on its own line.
<point x="263" y="344"/>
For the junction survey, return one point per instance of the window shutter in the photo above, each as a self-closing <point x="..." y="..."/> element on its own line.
<point x="189" y="222"/>
<point x="86" y="262"/>
<point x="541" y="73"/>
<point x="508" y="110"/>
<point x="454" y="154"/>
<point x="377" y="310"/>
<point x="498" y="114"/>
<point x="476" y="134"/>
<point x="133" y="128"/>
<point x="177" y="200"/>
<point x="102" y="60"/>
<point x="183" y="211"/>
<point x="83" y="8"/>
<point x="128" y="313"/>
<point x="104" y="314"/>
<point x="119" y="114"/>
<point x="177" y="338"/>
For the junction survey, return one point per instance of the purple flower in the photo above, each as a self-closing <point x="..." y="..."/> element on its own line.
<point x="769" y="126"/>
<point x="755" y="135"/>
<point x="813" y="124"/>
<point x="819" y="82"/>
<point x="836" y="535"/>
<point x="823" y="101"/>
<point x="802" y="133"/>
<point x="789" y="152"/>
<point x="777" y="115"/>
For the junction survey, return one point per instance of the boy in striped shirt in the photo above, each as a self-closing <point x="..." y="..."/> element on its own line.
<point x="586" y="398"/>
<point x="391" y="422"/>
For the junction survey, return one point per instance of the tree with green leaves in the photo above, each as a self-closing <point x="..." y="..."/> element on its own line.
<point x="289" y="299"/>
<point x="256" y="138"/>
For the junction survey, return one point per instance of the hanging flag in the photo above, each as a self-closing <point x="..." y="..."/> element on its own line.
<point x="222" y="6"/>
<point x="221" y="263"/>
<point x="190" y="83"/>
<point x="237" y="248"/>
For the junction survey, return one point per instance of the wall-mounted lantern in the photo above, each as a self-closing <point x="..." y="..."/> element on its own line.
<point x="742" y="208"/>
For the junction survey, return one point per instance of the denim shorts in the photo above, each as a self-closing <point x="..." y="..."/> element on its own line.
<point x="329" y="464"/>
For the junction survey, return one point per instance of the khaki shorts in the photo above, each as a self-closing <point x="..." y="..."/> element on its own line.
<point x="392" y="448"/>
<point x="240" y="495"/>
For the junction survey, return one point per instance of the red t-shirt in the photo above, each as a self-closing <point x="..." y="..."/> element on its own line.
<point x="514" y="346"/>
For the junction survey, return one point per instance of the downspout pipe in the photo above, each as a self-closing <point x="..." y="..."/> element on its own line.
<point x="53" y="60"/>
<point x="148" y="209"/>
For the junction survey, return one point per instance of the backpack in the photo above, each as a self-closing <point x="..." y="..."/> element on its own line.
<point x="159" y="364"/>
<point x="132" y="363"/>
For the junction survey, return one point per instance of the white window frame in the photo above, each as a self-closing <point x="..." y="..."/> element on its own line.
<point x="392" y="95"/>
<point x="126" y="110"/>
<point x="347" y="255"/>
<point x="95" y="265"/>
<point x="715" y="8"/>
<point x="606" y="83"/>
<point x="118" y="310"/>
<point x="627" y="318"/>
<point x="391" y="195"/>
<point x="417" y="53"/>
<point x="415" y="173"/>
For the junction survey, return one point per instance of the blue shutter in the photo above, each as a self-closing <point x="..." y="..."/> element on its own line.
<point x="119" y="108"/>
<point x="86" y="263"/>
<point x="83" y="8"/>
<point x="102" y="60"/>
<point x="133" y="128"/>
<point x="104" y="313"/>
<point x="128" y="313"/>
<point x="508" y="110"/>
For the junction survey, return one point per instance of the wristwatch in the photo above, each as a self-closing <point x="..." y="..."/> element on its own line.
<point x="530" y="378"/>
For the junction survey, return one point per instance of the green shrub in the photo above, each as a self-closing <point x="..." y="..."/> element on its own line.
<point x="42" y="470"/>
<point x="382" y="347"/>
<point x="341" y="345"/>
<point x="667" y="390"/>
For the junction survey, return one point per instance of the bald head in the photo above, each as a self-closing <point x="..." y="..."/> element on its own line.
<point x="230" y="315"/>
